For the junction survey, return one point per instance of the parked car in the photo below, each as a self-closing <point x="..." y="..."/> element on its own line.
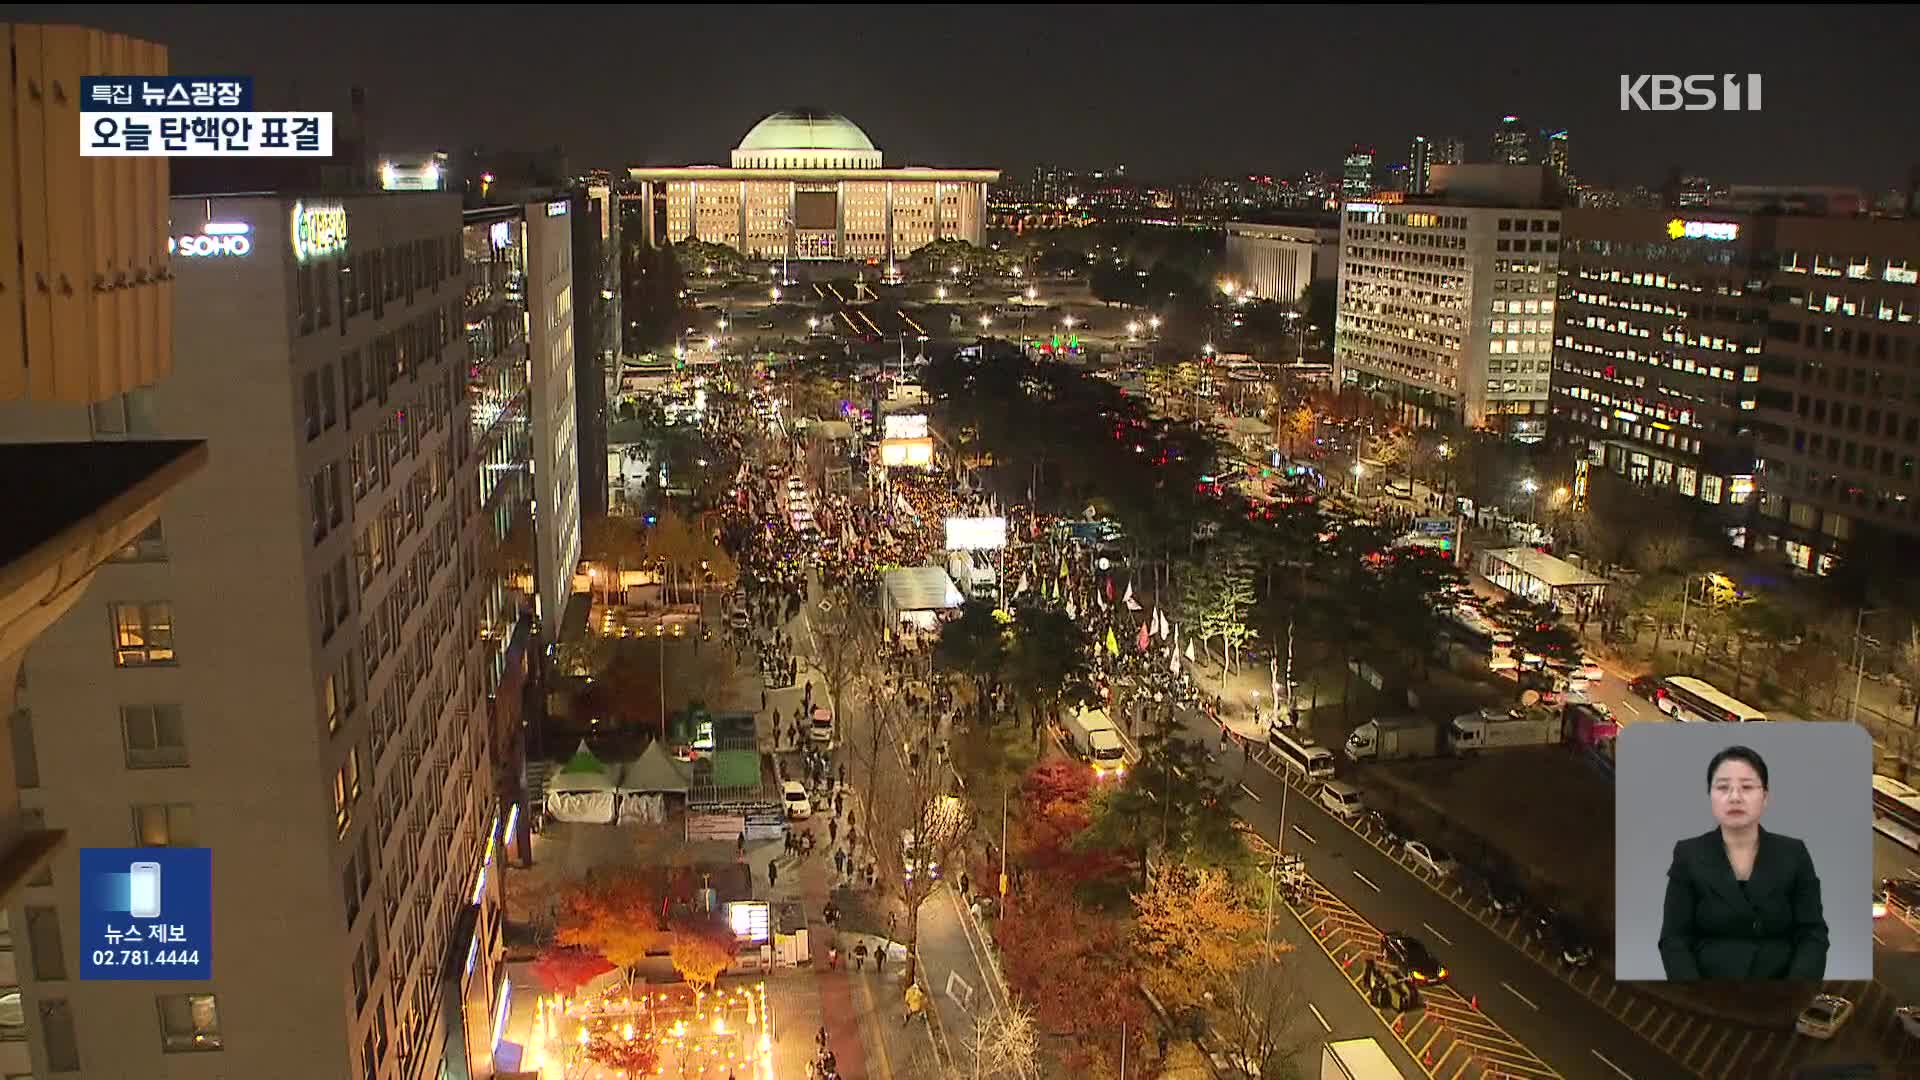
<point x="1434" y="860"/>
<point x="1504" y="897"/>
<point x="1410" y="955"/>
<point x="1901" y="892"/>
<point x="1646" y="687"/>
<point x="1824" y="1016"/>
<point x="1565" y="942"/>
<point x="794" y="794"/>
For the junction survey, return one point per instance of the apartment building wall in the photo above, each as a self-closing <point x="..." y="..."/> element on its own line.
<point x="551" y="345"/>
<point x="303" y="690"/>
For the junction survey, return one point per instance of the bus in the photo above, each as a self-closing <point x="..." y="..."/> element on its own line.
<point x="1694" y="699"/>
<point x="1896" y="802"/>
<point x="1309" y="760"/>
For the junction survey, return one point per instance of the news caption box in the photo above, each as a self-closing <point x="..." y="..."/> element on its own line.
<point x="192" y="116"/>
<point x="146" y="914"/>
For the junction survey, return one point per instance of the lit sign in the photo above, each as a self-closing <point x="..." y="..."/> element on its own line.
<point x="905" y="427"/>
<point x="1364" y="207"/>
<point x="1622" y="414"/>
<point x="557" y="208"/>
<point x="318" y="230"/>
<point x="1681" y="229"/>
<point x="752" y="920"/>
<point x="916" y="453"/>
<point x="976" y="534"/>
<point x="216" y="239"/>
<point x="501" y="234"/>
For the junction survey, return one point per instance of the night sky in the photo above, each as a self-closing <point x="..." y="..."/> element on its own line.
<point x="1168" y="90"/>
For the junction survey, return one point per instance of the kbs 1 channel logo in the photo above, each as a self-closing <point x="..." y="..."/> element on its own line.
<point x="192" y="116"/>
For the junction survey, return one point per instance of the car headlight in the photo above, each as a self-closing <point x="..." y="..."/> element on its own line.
<point x="1443" y="974"/>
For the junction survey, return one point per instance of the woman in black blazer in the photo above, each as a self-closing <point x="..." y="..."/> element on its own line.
<point x="1742" y="903"/>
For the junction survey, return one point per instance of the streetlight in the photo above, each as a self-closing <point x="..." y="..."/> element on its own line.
<point x="774" y="292"/>
<point x="1359" y="471"/>
<point x="1132" y="329"/>
<point x="1532" y="489"/>
<point x="1067" y="322"/>
<point x="1859" y="660"/>
<point x="986" y="321"/>
<point x="813" y="322"/>
<point x="1033" y="293"/>
<point x="1154" y="322"/>
<point x="941" y="292"/>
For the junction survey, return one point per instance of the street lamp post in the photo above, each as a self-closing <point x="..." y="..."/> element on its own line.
<point x="1859" y="661"/>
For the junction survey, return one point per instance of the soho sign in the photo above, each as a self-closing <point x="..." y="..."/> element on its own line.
<point x="217" y="239"/>
<point x="318" y="230"/>
<point x="1682" y="229"/>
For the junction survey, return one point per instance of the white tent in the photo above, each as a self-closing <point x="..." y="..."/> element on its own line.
<point x="583" y="790"/>
<point x="655" y="772"/>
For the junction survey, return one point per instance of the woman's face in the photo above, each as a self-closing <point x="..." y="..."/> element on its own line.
<point x="1738" y="796"/>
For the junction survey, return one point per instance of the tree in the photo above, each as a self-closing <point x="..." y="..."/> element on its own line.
<point x="1666" y="549"/>
<point x="1757" y="620"/>
<point x="846" y="639"/>
<point x="672" y="544"/>
<point x="1263" y="1022"/>
<point x="1215" y="601"/>
<point x="616" y="914"/>
<point x="1171" y="799"/>
<point x="1192" y="929"/>
<point x="587" y="655"/>
<point x="1047" y="665"/>
<point x="614" y="544"/>
<point x="1549" y="638"/>
<point x="564" y="970"/>
<point x="652" y="286"/>
<point x="1065" y="961"/>
<point x="1005" y="1042"/>
<point x="630" y="1054"/>
<point x="702" y="949"/>
<point x="974" y="645"/>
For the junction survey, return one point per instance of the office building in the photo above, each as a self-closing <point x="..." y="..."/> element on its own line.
<point x="1356" y="173"/>
<point x="1840" y="407"/>
<point x="533" y="242"/>
<point x="1556" y="149"/>
<point x="809" y="184"/>
<point x="298" y="665"/>
<point x="1659" y="350"/>
<point x="1447" y="301"/>
<point x="1512" y="142"/>
<point x="1451" y="150"/>
<point x="71" y="504"/>
<point x="596" y="332"/>
<point x="1419" y="165"/>
<point x="1278" y="260"/>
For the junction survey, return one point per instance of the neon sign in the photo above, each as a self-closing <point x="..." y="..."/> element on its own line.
<point x="216" y="239"/>
<point x="558" y="208"/>
<point x="318" y="230"/>
<point x="1681" y="229"/>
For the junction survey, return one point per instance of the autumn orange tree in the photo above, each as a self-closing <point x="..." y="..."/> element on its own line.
<point x="1192" y="930"/>
<point x="702" y="949"/>
<point x="618" y="915"/>
<point x="564" y="970"/>
<point x="1056" y="807"/>
<point x="632" y="1057"/>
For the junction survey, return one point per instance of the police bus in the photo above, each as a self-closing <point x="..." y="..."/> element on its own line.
<point x="1307" y="759"/>
<point x="1694" y="699"/>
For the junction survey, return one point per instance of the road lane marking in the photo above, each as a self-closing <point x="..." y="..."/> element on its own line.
<point x="1250" y="793"/>
<point x="1610" y="1065"/>
<point x="1877" y="939"/>
<point x="1521" y="996"/>
<point x="1628" y="705"/>
<point x="1436" y="933"/>
<point x="1316" y="1015"/>
<point x="1306" y="834"/>
<point x="1364" y="881"/>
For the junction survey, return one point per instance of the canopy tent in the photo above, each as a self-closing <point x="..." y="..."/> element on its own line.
<point x="655" y="771"/>
<point x="582" y="790"/>
<point x="920" y="588"/>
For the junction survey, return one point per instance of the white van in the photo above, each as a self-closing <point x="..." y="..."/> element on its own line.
<point x="1341" y="799"/>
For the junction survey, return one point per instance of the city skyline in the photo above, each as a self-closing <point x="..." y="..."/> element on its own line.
<point x="1224" y="105"/>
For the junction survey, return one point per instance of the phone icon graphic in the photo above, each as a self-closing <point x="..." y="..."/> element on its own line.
<point x="143" y="894"/>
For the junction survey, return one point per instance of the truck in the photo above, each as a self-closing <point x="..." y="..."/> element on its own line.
<point x="1492" y="728"/>
<point x="1394" y="738"/>
<point x="1357" y="1059"/>
<point x="972" y="572"/>
<point x="1091" y="737"/>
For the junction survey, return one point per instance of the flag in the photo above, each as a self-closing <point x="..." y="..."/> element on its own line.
<point x="1128" y="599"/>
<point x="1102" y="599"/>
<point x="1113" y="644"/>
<point x="1189" y="650"/>
<point x="1173" y="658"/>
<point x="1071" y="614"/>
<point x="1153" y="623"/>
<point x="1141" y="645"/>
<point x="1109" y="588"/>
<point x="1063" y="565"/>
<point x="1023" y="584"/>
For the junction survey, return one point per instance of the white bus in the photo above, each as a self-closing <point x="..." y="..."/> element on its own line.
<point x="1896" y="802"/>
<point x="1309" y="760"/>
<point x="1685" y="698"/>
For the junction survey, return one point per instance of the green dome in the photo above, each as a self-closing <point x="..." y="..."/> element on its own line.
<point x="806" y="129"/>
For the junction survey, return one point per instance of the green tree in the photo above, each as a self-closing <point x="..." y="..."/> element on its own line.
<point x="1047" y="662"/>
<point x="1170" y="801"/>
<point x="1758" y="620"/>
<point x="974" y="646"/>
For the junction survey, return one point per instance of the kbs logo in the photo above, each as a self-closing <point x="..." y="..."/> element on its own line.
<point x="1692" y="93"/>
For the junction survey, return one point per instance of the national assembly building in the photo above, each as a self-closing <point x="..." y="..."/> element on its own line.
<point x="809" y="184"/>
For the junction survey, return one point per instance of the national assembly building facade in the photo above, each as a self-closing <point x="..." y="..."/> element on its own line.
<point x="809" y="184"/>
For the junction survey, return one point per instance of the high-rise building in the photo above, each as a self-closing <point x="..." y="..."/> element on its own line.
<point x="298" y="665"/>
<point x="1419" y="162"/>
<point x="1451" y="150"/>
<point x="596" y="331"/>
<point x="1658" y="353"/>
<point x="1356" y="173"/>
<point x="1446" y="302"/>
<point x="1556" y="149"/>
<point x="809" y="184"/>
<point x="1512" y="142"/>
<point x="1753" y="362"/>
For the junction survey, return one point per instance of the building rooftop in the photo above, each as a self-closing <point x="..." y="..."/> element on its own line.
<point x="1551" y="572"/>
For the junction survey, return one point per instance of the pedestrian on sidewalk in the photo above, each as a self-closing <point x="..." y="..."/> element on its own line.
<point x="740" y="845"/>
<point x="773" y="876"/>
<point x="840" y="861"/>
<point x="839" y="802"/>
<point x="833" y="828"/>
<point x="860" y="957"/>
